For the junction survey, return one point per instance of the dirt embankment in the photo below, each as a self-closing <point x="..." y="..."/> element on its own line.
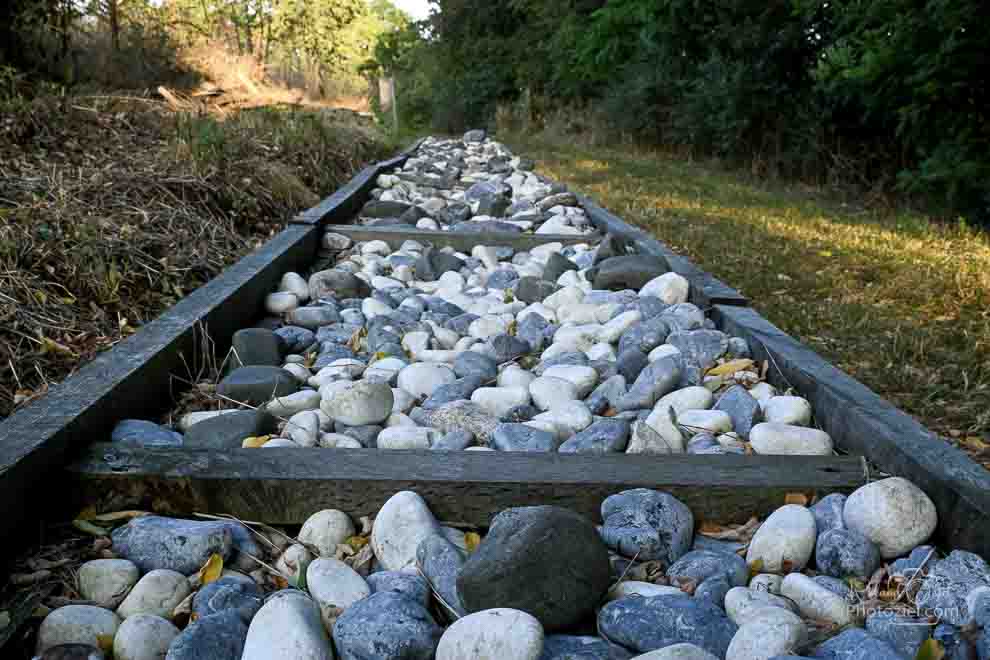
<point x="113" y="207"/>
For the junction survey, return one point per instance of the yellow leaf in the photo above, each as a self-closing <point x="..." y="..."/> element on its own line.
<point x="105" y="642"/>
<point x="731" y="367"/>
<point x="52" y="346"/>
<point x="796" y="498"/>
<point x="356" y="542"/>
<point x="825" y="253"/>
<point x="856" y="584"/>
<point x="87" y="514"/>
<point x="117" y="516"/>
<point x="931" y="649"/>
<point x="211" y="569"/>
<point x="755" y="567"/>
<point x="255" y="441"/>
<point x="975" y="444"/>
<point x="41" y="297"/>
<point x="90" y="528"/>
<point x="472" y="540"/>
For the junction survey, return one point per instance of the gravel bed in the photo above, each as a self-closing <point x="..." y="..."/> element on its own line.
<point x="589" y="348"/>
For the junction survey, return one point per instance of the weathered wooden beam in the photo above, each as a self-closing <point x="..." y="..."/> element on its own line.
<point x="463" y="241"/>
<point x="346" y="201"/>
<point x="288" y="485"/>
<point x="135" y="378"/>
<point x="863" y="423"/>
<point x="706" y="290"/>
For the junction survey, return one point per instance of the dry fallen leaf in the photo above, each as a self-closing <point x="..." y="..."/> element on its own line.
<point x="118" y="516"/>
<point x="796" y="498"/>
<point x="931" y="649"/>
<point x="472" y="540"/>
<point x="755" y="567"/>
<point x="740" y="533"/>
<point x="255" y="441"/>
<point x="211" y="570"/>
<point x="105" y="642"/>
<point x="356" y="542"/>
<point x="730" y="367"/>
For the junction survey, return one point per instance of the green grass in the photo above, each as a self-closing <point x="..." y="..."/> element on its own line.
<point x="897" y="300"/>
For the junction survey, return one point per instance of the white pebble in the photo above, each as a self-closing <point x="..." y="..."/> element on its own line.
<point x="157" y="592"/>
<point x="787" y="410"/>
<point x="788" y="439"/>
<point x="669" y="287"/>
<point x="496" y="634"/>
<point x="815" y="601"/>
<point x="326" y="529"/>
<point x="785" y="540"/>
<point x="893" y="513"/>
<point x="500" y="400"/>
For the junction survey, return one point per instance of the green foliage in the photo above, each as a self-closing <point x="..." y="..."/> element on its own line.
<point x="876" y="91"/>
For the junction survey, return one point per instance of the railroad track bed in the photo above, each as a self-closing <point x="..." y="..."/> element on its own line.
<point x="487" y="419"/>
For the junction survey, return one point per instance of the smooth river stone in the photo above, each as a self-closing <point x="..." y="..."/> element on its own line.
<point x="583" y="378"/>
<point x="509" y="568"/>
<point x="144" y="637"/>
<point x="363" y="403"/>
<point x="498" y="401"/>
<point x="521" y="437"/>
<point x="106" y="582"/>
<point x="325" y="530"/>
<point x="335" y="586"/>
<point x="776" y="438"/>
<point x="386" y="626"/>
<point x="647" y="624"/>
<point x="893" y="513"/>
<point x="287" y="627"/>
<point x="647" y="524"/>
<point x="602" y="437"/>
<point x="495" y="634"/>
<point x="785" y="540"/>
<point x="787" y="410"/>
<point x="76" y="624"/>
<point x="401" y="524"/>
<point x="549" y="392"/>
<point x="815" y="601"/>
<point x="180" y="545"/>
<point x="421" y="378"/>
<point x="671" y="288"/>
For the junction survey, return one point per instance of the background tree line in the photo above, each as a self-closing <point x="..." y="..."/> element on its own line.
<point x="318" y="45"/>
<point x="884" y="93"/>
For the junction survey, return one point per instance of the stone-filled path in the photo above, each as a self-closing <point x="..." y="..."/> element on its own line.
<point x="589" y="348"/>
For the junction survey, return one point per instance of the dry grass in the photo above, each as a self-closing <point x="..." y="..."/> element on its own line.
<point x="112" y="208"/>
<point x="900" y="302"/>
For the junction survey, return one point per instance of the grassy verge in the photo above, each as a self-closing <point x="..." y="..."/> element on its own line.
<point x="114" y="207"/>
<point x="897" y="301"/>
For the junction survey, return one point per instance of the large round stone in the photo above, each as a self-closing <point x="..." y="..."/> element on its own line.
<point x="256" y="385"/>
<point x="76" y="624"/>
<point x="647" y="524"/>
<point x="287" y="627"/>
<point x="107" y="581"/>
<point x="843" y="553"/>
<point x="784" y="541"/>
<point x="647" y="624"/>
<point x="143" y="637"/>
<point x="543" y="560"/>
<point x="363" y="403"/>
<point x="386" y="625"/>
<point x="401" y="524"/>
<point x="893" y="513"/>
<point x="500" y="633"/>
